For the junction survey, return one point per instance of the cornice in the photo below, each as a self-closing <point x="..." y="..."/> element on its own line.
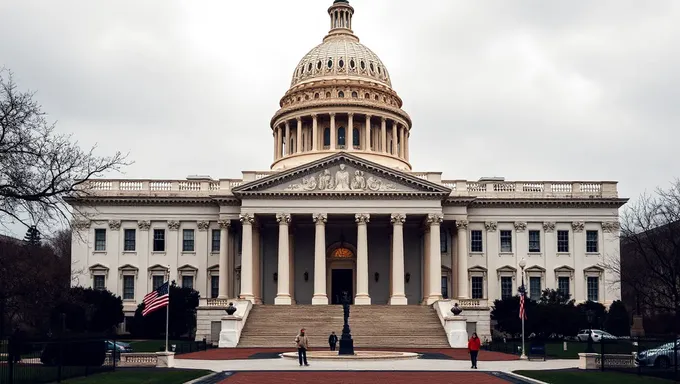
<point x="295" y="195"/>
<point x="340" y="103"/>
<point x="548" y="202"/>
<point x="141" y="200"/>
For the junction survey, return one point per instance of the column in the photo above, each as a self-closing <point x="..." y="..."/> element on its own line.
<point x="402" y="150"/>
<point x="350" y="131"/>
<point x="367" y="133"/>
<point x="398" y="290"/>
<point x="395" y="128"/>
<point x="286" y="139"/>
<point x="276" y="147"/>
<point x="333" y="133"/>
<point x="257" y="265"/>
<point x="383" y="136"/>
<point x="362" y="297"/>
<point x="247" y="221"/>
<point x="462" y="226"/>
<point x="315" y="134"/>
<point x="320" y="297"/>
<point x="434" y="221"/>
<point x="406" y="149"/>
<point x="283" y="293"/>
<point x="426" y="264"/>
<point x="298" y="140"/>
<point x="223" y="292"/>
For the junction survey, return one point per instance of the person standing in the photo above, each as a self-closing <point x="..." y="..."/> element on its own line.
<point x="332" y="341"/>
<point x="474" y="344"/>
<point x="302" y="344"/>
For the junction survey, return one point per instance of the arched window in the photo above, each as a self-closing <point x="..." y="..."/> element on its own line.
<point x="355" y="137"/>
<point x="342" y="253"/>
<point x="341" y="136"/>
<point x="328" y="95"/>
<point x="341" y="94"/>
<point x="327" y="137"/>
<point x="355" y="95"/>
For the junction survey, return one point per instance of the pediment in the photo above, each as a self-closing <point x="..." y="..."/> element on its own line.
<point x="342" y="174"/>
<point x="99" y="267"/>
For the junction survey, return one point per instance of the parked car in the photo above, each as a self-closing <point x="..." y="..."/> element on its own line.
<point x="596" y="333"/>
<point x="660" y="357"/>
<point x="118" y="346"/>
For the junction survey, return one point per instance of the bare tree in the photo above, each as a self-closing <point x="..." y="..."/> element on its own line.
<point x="649" y="265"/>
<point x="38" y="165"/>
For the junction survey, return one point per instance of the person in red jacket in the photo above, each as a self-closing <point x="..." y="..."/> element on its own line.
<point x="474" y="344"/>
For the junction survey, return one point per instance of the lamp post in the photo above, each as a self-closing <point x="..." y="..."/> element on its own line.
<point x="522" y="291"/>
<point x="590" y="314"/>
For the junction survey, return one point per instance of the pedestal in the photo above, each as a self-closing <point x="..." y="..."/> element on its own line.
<point x="320" y="300"/>
<point x="362" y="300"/>
<point x="283" y="300"/>
<point x="398" y="300"/>
<point x="638" y="329"/>
<point x="457" y="331"/>
<point x="346" y="342"/>
<point x="229" y="334"/>
<point x="165" y="359"/>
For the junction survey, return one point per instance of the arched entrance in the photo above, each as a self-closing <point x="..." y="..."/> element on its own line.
<point x="342" y="271"/>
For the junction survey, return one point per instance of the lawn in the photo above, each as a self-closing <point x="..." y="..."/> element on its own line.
<point x="146" y="376"/>
<point x="589" y="377"/>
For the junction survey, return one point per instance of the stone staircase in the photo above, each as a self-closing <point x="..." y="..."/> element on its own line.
<point x="376" y="326"/>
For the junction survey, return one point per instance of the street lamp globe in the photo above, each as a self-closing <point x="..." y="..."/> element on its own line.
<point x="522" y="263"/>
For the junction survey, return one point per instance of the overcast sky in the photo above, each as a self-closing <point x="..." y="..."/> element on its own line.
<point x="528" y="90"/>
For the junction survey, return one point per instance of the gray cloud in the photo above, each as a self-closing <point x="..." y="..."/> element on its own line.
<point x="523" y="89"/>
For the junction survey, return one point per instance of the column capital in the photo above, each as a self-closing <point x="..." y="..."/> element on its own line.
<point x="383" y="119"/>
<point x="283" y="218"/>
<point x="398" y="218"/>
<point x="434" y="219"/>
<point x="315" y="115"/>
<point x="287" y="124"/>
<point x="368" y="116"/>
<point x="247" y="218"/>
<point x="332" y="114"/>
<point x="350" y="114"/>
<point x="224" y="224"/>
<point x="319" y="218"/>
<point x="362" y="218"/>
<point x="462" y="225"/>
<point x="299" y="119"/>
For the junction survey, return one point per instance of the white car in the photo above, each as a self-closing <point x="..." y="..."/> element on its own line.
<point x="660" y="357"/>
<point x="596" y="333"/>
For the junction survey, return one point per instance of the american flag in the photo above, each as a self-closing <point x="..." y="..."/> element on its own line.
<point x="158" y="298"/>
<point x="522" y="313"/>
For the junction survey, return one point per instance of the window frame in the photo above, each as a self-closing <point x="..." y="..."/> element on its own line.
<point x="507" y="272"/>
<point x="500" y="285"/>
<point x="94" y="281"/>
<point x="507" y="232"/>
<point x="123" y="287"/>
<point x="193" y="280"/>
<point x="214" y="290"/>
<point x="479" y="279"/>
<point x="590" y="250"/>
<point x="558" y="240"/>
<point x="97" y="243"/>
<point x="154" y="240"/>
<point x="443" y="240"/>
<point x="480" y="241"/>
<point x="533" y="279"/>
<point x="125" y="240"/>
<point x="188" y="245"/>
<point x="538" y="233"/>
<point x="213" y="240"/>
<point x="597" y="288"/>
<point x="558" y="288"/>
<point x="568" y="272"/>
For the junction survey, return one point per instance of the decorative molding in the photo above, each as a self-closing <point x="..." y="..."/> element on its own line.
<point x="128" y="269"/>
<point x="462" y="225"/>
<point x="578" y="226"/>
<point x="491" y="226"/>
<point x="98" y="269"/>
<point x="540" y="202"/>
<point x="520" y="226"/>
<point x="81" y="225"/>
<point x="319" y="218"/>
<point x="224" y="224"/>
<point x="611" y="226"/>
<point x="114" y="225"/>
<point x="434" y="219"/>
<point x="549" y="226"/>
<point x="203" y="225"/>
<point x="342" y="181"/>
<point x="398" y="218"/>
<point x="283" y="218"/>
<point x="247" y="218"/>
<point x="144" y="225"/>
<point x="362" y="218"/>
<point x="173" y="225"/>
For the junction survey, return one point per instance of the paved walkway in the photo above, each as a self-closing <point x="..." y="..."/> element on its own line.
<point x="281" y="364"/>
<point x="367" y="378"/>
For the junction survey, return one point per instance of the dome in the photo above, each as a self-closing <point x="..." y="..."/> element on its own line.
<point x="341" y="56"/>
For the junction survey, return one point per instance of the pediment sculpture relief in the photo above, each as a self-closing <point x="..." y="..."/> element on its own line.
<point x="342" y="180"/>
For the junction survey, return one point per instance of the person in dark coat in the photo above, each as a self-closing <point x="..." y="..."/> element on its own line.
<point x="332" y="341"/>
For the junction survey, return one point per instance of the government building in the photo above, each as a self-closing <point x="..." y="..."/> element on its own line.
<point x="341" y="209"/>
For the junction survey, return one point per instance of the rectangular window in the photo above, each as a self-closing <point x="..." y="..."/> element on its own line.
<point x="477" y="287"/>
<point x="214" y="286"/>
<point x="563" y="285"/>
<point x="130" y="240"/>
<point x="100" y="239"/>
<point x="593" y="288"/>
<point x="443" y="241"/>
<point x="476" y="241"/>
<point x="535" y="288"/>
<point x="159" y="240"/>
<point x="215" y="240"/>
<point x="591" y="241"/>
<point x="188" y="240"/>
<point x="506" y="287"/>
<point x="188" y="282"/>
<point x="445" y="287"/>
<point x="506" y="241"/>
<point x="563" y="241"/>
<point x="535" y="241"/>
<point x="157" y="281"/>
<point x="99" y="282"/>
<point x="128" y="287"/>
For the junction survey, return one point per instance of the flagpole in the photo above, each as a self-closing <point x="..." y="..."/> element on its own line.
<point x="167" y="314"/>
<point x="522" y="264"/>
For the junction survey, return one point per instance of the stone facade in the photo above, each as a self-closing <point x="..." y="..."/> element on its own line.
<point x="341" y="209"/>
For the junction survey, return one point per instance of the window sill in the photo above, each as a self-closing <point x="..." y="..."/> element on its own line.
<point x="476" y="253"/>
<point x="563" y="254"/>
<point x="215" y="253"/>
<point x="158" y="253"/>
<point x="592" y="253"/>
<point x="99" y="252"/>
<point x="506" y="253"/>
<point x="129" y="252"/>
<point x="129" y="301"/>
<point x="534" y="254"/>
<point x="188" y="252"/>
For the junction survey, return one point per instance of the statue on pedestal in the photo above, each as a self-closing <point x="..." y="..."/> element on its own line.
<point x="456" y="310"/>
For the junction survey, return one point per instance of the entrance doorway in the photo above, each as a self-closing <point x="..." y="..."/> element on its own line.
<point x="342" y="280"/>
